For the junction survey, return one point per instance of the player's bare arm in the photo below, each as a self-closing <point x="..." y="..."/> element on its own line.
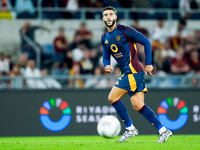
<point x="108" y="68"/>
<point x="149" y="69"/>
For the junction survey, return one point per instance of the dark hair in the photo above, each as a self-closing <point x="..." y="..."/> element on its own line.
<point x="109" y="8"/>
<point x="182" y="21"/>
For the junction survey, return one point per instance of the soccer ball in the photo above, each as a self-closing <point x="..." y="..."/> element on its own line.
<point x="108" y="126"/>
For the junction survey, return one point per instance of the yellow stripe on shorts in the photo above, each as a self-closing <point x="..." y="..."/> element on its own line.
<point x="145" y="90"/>
<point x="132" y="82"/>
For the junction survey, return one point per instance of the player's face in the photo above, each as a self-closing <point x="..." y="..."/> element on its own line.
<point x="109" y="18"/>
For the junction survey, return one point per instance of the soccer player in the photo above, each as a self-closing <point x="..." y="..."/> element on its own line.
<point x="120" y="42"/>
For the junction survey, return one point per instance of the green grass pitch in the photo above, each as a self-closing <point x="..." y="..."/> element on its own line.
<point x="141" y="142"/>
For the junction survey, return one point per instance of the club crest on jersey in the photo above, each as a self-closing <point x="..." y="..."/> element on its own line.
<point x="114" y="48"/>
<point x="106" y="41"/>
<point x="118" y="38"/>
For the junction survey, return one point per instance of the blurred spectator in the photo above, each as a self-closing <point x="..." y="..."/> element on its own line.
<point x="60" y="69"/>
<point x="4" y="65"/>
<point x="22" y="62"/>
<point x="28" y="32"/>
<point x="197" y="40"/>
<point x="190" y="39"/>
<point x="11" y="63"/>
<point x="162" y="58"/>
<point x="185" y="8"/>
<point x="25" y="9"/>
<point x="180" y="28"/>
<point x="77" y="39"/>
<point x="96" y="81"/>
<point x="197" y="35"/>
<point x="86" y="63"/>
<point x="77" y="53"/>
<point x="177" y="40"/>
<point x="76" y="72"/>
<point x="159" y="32"/>
<point x="91" y="4"/>
<point x="15" y="71"/>
<point x="179" y="64"/>
<point x="5" y="5"/>
<point x="135" y="24"/>
<point x="16" y="81"/>
<point x="156" y="45"/>
<point x="60" y="45"/>
<point x="6" y="11"/>
<point x="86" y="35"/>
<point x="194" y="60"/>
<point x="72" y="7"/>
<point x="189" y="47"/>
<point x="34" y="73"/>
<point x="49" y="82"/>
<point x="94" y="58"/>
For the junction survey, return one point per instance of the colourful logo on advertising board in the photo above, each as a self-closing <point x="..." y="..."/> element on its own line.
<point x="62" y="106"/>
<point x="180" y="106"/>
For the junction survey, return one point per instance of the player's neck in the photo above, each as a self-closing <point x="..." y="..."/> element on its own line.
<point x="110" y="29"/>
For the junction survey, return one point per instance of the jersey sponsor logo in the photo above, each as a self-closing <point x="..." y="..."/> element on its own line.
<point x="106" y="41"/>
<point x="118" y="55"/>
<point x="118" y="38"/>
<point x="114" y="48"/>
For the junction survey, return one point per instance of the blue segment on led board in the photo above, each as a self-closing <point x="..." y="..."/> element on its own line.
<point x="164" y="104"/>
<point x="55" y="125"/>
<point x="47" y="105"/>
<point x="173" y="124"/>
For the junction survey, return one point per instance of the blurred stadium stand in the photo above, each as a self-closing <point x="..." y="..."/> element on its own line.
<point x="53" y="18"/>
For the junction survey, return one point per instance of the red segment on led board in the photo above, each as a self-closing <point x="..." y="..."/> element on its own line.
<point x="44" y="111"/>
<point x="181" y="104"/>
<point x="63" y="105"/>
<point x="161" y="110"/>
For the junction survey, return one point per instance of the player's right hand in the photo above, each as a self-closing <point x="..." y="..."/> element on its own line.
<point x="108" y="68"/>
<point x="149" y="69"/>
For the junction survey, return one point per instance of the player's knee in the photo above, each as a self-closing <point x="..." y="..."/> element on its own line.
<point x="111" y="100"/>
<point x="136" y="107"/>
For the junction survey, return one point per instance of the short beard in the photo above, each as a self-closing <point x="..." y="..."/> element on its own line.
<point x="109" y="26"/>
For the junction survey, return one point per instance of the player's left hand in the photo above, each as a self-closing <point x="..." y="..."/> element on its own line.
<point x="108" y="68"/>
<point x="149" y="69"/>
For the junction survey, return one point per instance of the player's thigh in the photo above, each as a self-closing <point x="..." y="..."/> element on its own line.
<point x="115" y="94"/>
<point x="137" y="100"/>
